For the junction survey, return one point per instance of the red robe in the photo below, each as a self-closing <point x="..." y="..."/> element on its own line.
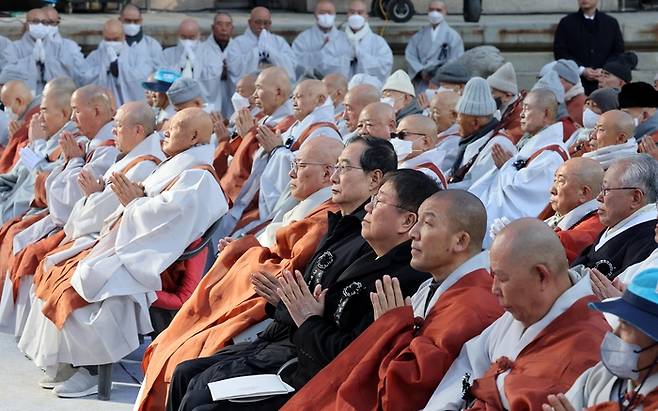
<point x="511" y="120"/>
<point x="569" y="127"/>
<point x="550" y="364"/>
<point x="575" y="107"/>
<point x="580" y="236"/>
<point x="399" y="360"/>
<point x="225" y="303"/>
<point x="10" y="154"/>
<point x="648" y="402"/>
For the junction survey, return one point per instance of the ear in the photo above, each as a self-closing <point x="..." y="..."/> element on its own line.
<point x="326" y="175"/>
<point x="321" y="99"/>
<point x="585" y="194"/>
<point x="638" y="199"/>
<point x="408" y="222"/>
<point x="376" y="177"/>
<point x="544" y="275"/>
<point x="463" y="241"/>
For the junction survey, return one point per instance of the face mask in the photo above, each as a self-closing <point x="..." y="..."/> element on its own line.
<point x="326" y="21"/>
<point x="590" y="118"/>
<point x="435" y="17"/>
<point x="38" y="31"/>
<point x="620" y="357"/>
<point x="188" y="44"/>
<point x="115" y="45"/>
<point x="388" y="100"/>
<point x="239" y="102"/>
<point x="10" y="114"/>
<point x="356" y="21"/>
<point x="131" y="29"/>
<point x="53" y="31"/>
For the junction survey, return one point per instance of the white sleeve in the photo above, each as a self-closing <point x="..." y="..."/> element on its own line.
<point x="412" y="57"/>
<point x="378" y="61"/>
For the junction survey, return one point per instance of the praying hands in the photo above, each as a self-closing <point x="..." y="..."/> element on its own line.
<point x="295" y="294"/>
<point x="388" y="296"/>
<point x="125" y="189"/>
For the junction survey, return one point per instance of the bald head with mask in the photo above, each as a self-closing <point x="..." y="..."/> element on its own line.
<point x="529" y="268"/>
<point x="336" y="85"/>
<point x="188" y="30"/>
<point x="355" y="100"/>
<point x="612" y="128"/>
<point x="260" y="19"/>
<point x="421" y="131"/>
<point x="377" y="120"/>
<point x="187" y="128"/>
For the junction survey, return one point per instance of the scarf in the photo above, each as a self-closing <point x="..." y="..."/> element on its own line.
<point x="356" y="37"/>
<point x="574" y="91"/>
<point x="608" y="155"/>
<point x="464" y="142"/>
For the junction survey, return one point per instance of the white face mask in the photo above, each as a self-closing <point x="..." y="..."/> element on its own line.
<point x="131" y="29"/>
<point x="115" y="45"/>
<point x="326" y="21"/>
<point x="239" y="101"/>
<point x="53" y="31"/>
<point x="590" y="118"/>
<point x="188" y="44"/>
<point x="435" y="17"/>
<point x="620" y="357"/>
<point x="356" y="21"/>
<point x="388" y="100"/>
<point x="38" y="31"/>
<point x="636" y="121"/>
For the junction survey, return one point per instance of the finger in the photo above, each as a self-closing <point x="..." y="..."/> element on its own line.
<point x="376" y="307"/>
<point x="407" y="301"/>
<point x="388" y="289"/>
<point x="284" y="297"/>
<point x="380" y="289"/>
<point x="299" y="286"/>
<point x="397" y="292"/>
<point x="317" y="292"/>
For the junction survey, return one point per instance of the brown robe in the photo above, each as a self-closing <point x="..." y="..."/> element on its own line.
<point x="550" y="364"/>
<point x="225" y="303"/>
<point x="511" y="120"/>
<point x="648" y="402"/>
<point x="576" y="106"/>
<point x="580" y="236"/>
<point x="399" y="360"/>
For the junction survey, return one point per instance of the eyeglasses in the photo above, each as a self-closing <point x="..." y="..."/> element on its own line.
<point x="344" y="168"/>
<point x="606" y="190"/>
<point x="296" y="165"/>
<point x="374" y="200"/>
<point x="402" y="135"/>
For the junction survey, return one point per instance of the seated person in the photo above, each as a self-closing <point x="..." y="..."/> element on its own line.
<point x="612" y="139"/>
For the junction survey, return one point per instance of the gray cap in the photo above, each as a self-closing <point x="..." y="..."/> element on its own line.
<point x="452" y="73"/>
<point x="605" y="98"/>
<point x="551" y="82"/>
<point x="183" y="90"/>
<point x="568" y="70"/>
<point x="476" y="99"/>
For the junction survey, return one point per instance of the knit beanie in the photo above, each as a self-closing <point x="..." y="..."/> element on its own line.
<point x="452" y="73"/>
<point x="551" y="82"/>
<point x="504" y="79"/>
<point x="605" y="98"/>
<point x="568" y="70"/>
<point x="622" y="65"/>
<point x="476" y="100"/>
<point x="400" y="81"/>
<point x="545" y="69"/>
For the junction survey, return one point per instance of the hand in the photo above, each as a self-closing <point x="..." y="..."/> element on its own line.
<point x="602" y="286"/>
<point x="500" y="156"/>
<point x="14" y="126"/>
<point x="295" y="294"/>
<point x="125" y="189"/>
<point x="648" y="146"/>
<point x="268" y="139"/>
<point x="70" y="147"/>
<point x="558" y="403"/>
<point x="388" y="296"/>
<point x="223" y="243"/>
<point x="244" y="122"/>
<point x="423" y="101"/>
<point x="591" y="74"/>
<point x="89" y="184"/>
<point x="35" y="131"/>
<point x="265" y="285"/>
<point x="219" y="127"/>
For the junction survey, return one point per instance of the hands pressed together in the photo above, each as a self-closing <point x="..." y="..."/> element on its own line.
<point x="125" y="189"/>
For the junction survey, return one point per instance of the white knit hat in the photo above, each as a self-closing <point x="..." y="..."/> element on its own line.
<point x="476" y="100"/>
<point x="551" y="82"/>
<point x="504" y="79"/>
<point x="400" y="81"/>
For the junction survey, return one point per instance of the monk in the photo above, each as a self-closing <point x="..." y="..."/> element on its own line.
<point x="229" y="299"/>
<point x="355" y="100"/>
<point x="72" y="323"/>
<point x="425" y="156"/>
<point x="398" y="361"/>
<point x="544" y="341"/>
<point x="378" y="120"/>
<point x="612" y="138"/>
<point x="443" y="110"/>
<point x="93" y="111"/>
<point x="18" y="99"/>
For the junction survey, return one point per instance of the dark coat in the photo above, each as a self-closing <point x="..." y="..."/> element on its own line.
<point x="590" y="43"/>
<point x="630" y="247"/>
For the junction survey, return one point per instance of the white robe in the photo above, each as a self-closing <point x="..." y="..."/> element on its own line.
<point x="598" y="385"/>
<point x="62" y="58"/>
<point x="505" y="337"/>
<point x="484" y="162"/>
<point x="424" y="53"/>
<point x="573" y="217"/>
<point x="608" y="155"/>
<point x="629" y="273"/>
<point x="315" y="56"/>
<point x="449" y="143"/>
<point x="275" y="178"/>
<point x="434" y="156"/>
<point x="207" y="61"/>
<point x="134" y="67"/>
<point x="4" y="44"/>
<point x="511" y="193"/>
<point x="114" y="277"/>
<point x="244" y="58"/>
<point x="373" y="54"/>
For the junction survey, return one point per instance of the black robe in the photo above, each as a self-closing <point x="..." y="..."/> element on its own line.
<point x="620" y="252"/>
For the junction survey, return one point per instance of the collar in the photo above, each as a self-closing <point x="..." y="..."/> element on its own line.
<point x="549" y="135"/>
<point x="136" y="38"/>
<point x="573" y="217"/>
<point x="608" y="155"/>
<point x="586" y="17"/>
<point x="644" y="214"/>
<point x="450" y="131"/>
<point x="283" y="111"/>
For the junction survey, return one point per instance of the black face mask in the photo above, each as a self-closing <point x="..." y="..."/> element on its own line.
<point x="499" y="102"/>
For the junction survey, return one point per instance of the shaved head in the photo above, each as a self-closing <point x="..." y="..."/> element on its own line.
<point x="16" y="96"/>
<point x="246" y="85"/>
<point x="131" y="11"/>
<point x="140" y="113"/>
<point x="443" y="109"/>
<point x="421" y="131"/>
<point x="314" y="166"/>
<point x="577" y="181"/>
<point x="35" y="14"/>
<point x="377" y="120"/>
<point x="355" y="100"/>
<point x="613" y="127"/>
<point x="323" y="149"/>
<point x="530" y="269"/>
<point x="51" y="14"/>
<point x="465" y="213"/>
<point x="336" y="86"/>
<point x="113" y="30"/>
<point x="93" y="108"/>
<point x="272" y="89"/>
<point x="96" y="96"/>
<point x="325" y="7"/>
<point x="189" y="29"/>
<point x="133" y="122"/>
<point x="188" y="127"/>
<point x="260" y="19"/>
<point x="55" y="109"/>
<point x="307" y="96"/>
<point x="587" y="172"/>
<point x="63" y="83"/>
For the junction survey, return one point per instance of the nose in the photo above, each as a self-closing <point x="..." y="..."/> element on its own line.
<point x="335" y="177"/>
<point x="368" y="207"/>
<point x="600" y="196"/>
<point x="414" y="233"/>
<point x="292" y="173"/>
<point x="495" y="289"/>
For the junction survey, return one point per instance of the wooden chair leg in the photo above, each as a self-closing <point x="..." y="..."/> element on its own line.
<point x="104" y="382"/>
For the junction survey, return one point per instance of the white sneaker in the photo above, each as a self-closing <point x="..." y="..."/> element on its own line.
<point x="80" y="384"/>
<point x="64" y="372"/>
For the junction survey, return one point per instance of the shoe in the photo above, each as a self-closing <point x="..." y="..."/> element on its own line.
<point x="80" y="384"/>
<point x="64" y="372"/>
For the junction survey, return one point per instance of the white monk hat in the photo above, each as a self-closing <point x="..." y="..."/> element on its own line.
<point x="504" y="79"/>
<point x="400" y="81"/>
<point x="476" y="100"/>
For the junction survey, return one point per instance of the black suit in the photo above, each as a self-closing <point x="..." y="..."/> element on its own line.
<point x="590" y="43"/>
<point x="620" y="252"/>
